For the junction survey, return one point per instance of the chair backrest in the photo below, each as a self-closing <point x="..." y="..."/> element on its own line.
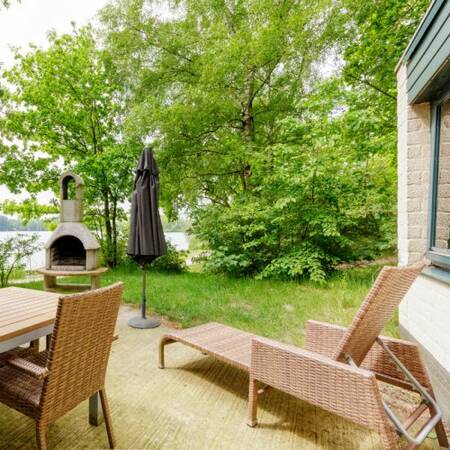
<point x="382" y="300"/>
<point x="79" y="349"/>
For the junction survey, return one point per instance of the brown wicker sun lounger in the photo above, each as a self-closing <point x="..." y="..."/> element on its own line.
<point x="339" y="367"/>
<point x="47" y="385"/>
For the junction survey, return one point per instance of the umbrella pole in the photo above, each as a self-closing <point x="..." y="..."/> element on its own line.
<point x="143" y="298"/>
<point x="142" y="321"/>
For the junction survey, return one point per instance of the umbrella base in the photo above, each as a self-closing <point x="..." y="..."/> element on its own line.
<point x="140" y="322"/>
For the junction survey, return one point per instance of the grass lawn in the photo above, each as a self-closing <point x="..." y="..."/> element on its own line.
<point x="270" y="308"/>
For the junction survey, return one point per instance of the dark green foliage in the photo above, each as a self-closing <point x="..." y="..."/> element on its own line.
<point x="374" y="34"/>
<point x="173" y="261"/>
<point x="320" y="204"/>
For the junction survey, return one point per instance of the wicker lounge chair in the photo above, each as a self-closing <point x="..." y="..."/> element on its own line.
<point x="339" y="367"/>
<point x="47" y="385"/>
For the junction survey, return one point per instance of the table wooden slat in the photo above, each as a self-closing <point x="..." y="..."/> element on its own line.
<point x="24" y="310"/>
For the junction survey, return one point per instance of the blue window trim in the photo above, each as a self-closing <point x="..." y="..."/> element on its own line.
<point x="427" y="20"/>
<point x="437" y="273"/>
<point x="438" y="257"/>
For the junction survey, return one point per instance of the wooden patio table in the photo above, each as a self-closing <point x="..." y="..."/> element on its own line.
<point x="27" y="315"/>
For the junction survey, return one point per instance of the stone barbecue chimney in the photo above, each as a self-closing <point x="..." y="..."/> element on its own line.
<point x="72" y="247"/>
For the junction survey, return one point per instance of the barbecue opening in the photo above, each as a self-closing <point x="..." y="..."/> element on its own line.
<point x="68" y="253"/>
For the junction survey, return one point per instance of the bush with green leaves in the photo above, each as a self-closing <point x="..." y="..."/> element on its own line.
<point x="173" y="261"/>
<point x="13" y="252"/>
<point x="320" y="204"/>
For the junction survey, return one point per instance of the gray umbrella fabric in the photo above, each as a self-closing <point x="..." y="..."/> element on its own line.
<point x="146" y="240"/>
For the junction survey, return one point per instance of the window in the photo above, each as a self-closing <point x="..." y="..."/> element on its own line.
<point x="439" y="236"/>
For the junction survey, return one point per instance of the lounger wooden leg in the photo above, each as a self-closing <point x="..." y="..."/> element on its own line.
<point x="389" y="438"/>
<point x="162" y="343"/>
<point x="108" y="421"/>
<point x="441" y="435"/>
<point x="439" y="428"/>
<point x="252" y="403"/>
<point x="161" y="354"/>
<point x="41" y="440"/>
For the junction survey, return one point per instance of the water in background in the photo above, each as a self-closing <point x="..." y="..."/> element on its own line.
<point x="178" y="239"/>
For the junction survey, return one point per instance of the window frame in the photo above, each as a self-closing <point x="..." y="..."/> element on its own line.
<point x="438" y="257"/>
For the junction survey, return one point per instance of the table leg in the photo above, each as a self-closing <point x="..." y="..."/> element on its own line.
<point x="95" y="412"/>
<point x="49" y="282"/>
<point x="48" y="339"/>
<point x="34" y="345"/>
<point x="95" y="282"/>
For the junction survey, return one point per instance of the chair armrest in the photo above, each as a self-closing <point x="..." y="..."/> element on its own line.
<point x="332" y="385"/>
<point x="323" y="338"/>
<point x="28" y="367"/>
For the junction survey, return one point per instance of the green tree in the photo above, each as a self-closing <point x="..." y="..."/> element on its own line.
<point x="65" y="105"/>
<point x="211" y="83"/>
<point x="251" y="138"/>
<point x="13" y="252"/>
<point x="320" y="204"/>
<point x="373" y="37"/>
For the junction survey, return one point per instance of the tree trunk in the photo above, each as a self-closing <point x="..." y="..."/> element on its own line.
<point x="248" y="126"/>
<point x="108" y="231"/>
<point x="248" y="119"/>
<point x="114" y="232"/>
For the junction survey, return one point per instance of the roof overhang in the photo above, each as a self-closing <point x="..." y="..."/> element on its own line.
<point x="427" y="57"/>
<point x="421" y="30"/>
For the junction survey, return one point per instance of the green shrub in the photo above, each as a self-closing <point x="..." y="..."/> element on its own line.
<point x="172" y="261"/>
<point x="13" y="252"/>
<point x="316" y="208"/>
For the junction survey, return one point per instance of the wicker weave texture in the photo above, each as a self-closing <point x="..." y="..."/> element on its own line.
<point x="46" y="385"/>
<point x="387" y="292"/>
<point x="80" y="348"/>
<point x="225" y="343"/>
<point x="15" y="352"/>
<point x="346" y="391"/>
<point x="323" y="338"/>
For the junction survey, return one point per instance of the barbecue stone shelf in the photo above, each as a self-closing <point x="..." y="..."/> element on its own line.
<point x="51" y="285"/>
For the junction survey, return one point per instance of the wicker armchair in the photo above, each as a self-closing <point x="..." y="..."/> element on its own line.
<point x="46" y="385"/>
<point x="338" y="369"/>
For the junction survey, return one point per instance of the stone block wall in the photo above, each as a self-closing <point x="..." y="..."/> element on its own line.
<point x="414" y="166"/>
<point x="425" y="310"/>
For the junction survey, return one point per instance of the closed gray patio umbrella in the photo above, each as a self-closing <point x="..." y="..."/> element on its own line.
<point x="146" y="240"/>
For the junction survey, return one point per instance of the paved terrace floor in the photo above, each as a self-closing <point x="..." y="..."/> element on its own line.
<point x="195" y="403"/>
